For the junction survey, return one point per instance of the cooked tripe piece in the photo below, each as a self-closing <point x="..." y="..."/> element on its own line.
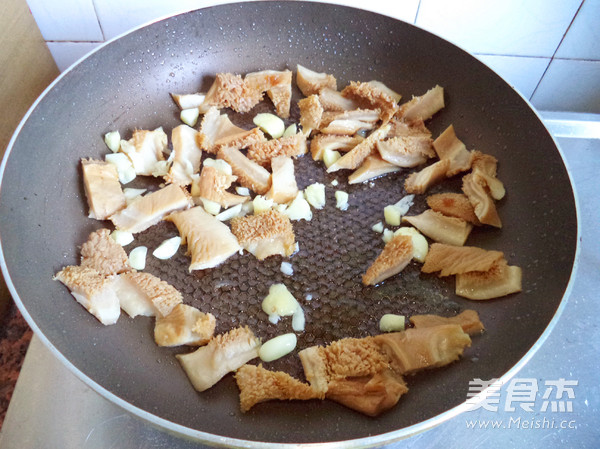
<point x="231" y="91"/>
<point x="263" y="152"/>
<point x="408" y="151"/>
<point x="213" y="184"/>
<point x="257" y="385"/>
<point x="370" y="95"/>
<point x="356" y="156"/>
<point x="266" y="234"/>
<point x="448" y="146"/>
<point x="467" y="319"/>
<point x="500" y="280"/>
<point x="103" y="254"/>
<point x="311" y="113"/>
<point x="191" y="101"/>
<point x="396" y="255"/>
<point x="424" y="106"/>
<point x="216" y="131"/>
<point x="145" y="149"/>
<point x="485" y="166"/>
<point x="451" y="259"/>
<point x="453" y="205"/>
<point x="151" y="208"/>
<point x="224" y="353"/>
<point x="322" y="142"/>
<point x="142" y="293"/>
<point x="332" y="100"/>
<point x="372" y="167"/>
<point x="93" y="291"/>
<point x="431" y="347"/>
<point x="414" y="128"/>
<point x="382" y="87"/>
<point x="371" y="395"/>
<point x="277" y="85"/>
<point x="349" y="122"/>
<point x="310" y="82"/>
<point x="185" y="325"/>
<point x="283" y="181"/>
<point x="475" y="188"/>
<point x="250" y="174"/>
<point x="450" y="230"/>
<point x="209" y="241"/>
<point x="102" y="188"/>
<point x="186" y="155"/>
<point x="420" y="181"/>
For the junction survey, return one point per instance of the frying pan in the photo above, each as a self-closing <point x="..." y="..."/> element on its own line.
<point x="126" y="84"/>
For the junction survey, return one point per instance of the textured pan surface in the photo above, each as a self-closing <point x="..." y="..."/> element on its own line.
<point x="126" y="85"/>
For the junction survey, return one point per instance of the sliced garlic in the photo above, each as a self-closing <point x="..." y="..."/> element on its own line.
<point x="388" y="235"/>
<point x="124" y="166"/>
<point x="228" y="214"/>
<point x="392" y="215"/>
<point x="190" y="116"/>
<point x="167" y="249"/>
<point x="242" y="191"/>
<point x="341" y="199"/>
<point x="219" y="164"/>
<point x="378" y="227"/>
<point x="315" y="195"/>
<point x="211" y="207"/>
<point x="277" y="347"/>
<point x="334" y="183"/>
<point x="392" y="323"/>
<point x="279" y="301"/>
<point x="298" y="320"/>
<point x="270" y="123"/>
<point x="137" y="258"/>
<point x="261" y="204"/>
<point x="123" y="238"/>
<point x="287" y="269"/>
<point x="290" y="130"/>
<point x="299" y="209"/>
<point x="113" y="141"/>
<point x="419" y="242"/>
<point x="330" y="156"/>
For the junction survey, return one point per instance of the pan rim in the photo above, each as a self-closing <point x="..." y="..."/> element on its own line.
<point x="218" y="440"/>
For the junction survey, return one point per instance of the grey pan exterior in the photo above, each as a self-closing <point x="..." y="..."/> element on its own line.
<point x="126" y="84"/>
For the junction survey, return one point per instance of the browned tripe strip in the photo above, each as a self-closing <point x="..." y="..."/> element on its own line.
<point x="104" y="254"/>
<point x="249" y="173"/>
<point x="372" y="167"/>
<point x="400" y="128"/>
<point x="368" y="95"/>
<point x="420" y="181"/>
<point x="408" y="151"/>
<point x="102" y="188"/>
<point x="423" y="107"/>
<point x="485" y="166"/>
<point x="355" y="157"/>
<point x="310" y="82"/>
<point x="311" y="113"/>
<point x="257" y="385"/>
<point x="283" y="180"/>
<point x="453" y="205"/>
<point x="231" y="91"/>
<point x="417" y="349"/>
<point x="322" y="142"/>
<point x="332" y="100"/>
<point x="370" y="395"/>
<point x="448" y="146"/>
<point x="500" y="280"/>
<point x="185" y="325"/>
<point x="265" y="234"/>
<point x="277" y="85"/>
<point x="396" y="254"/>
<point x="474" y="187"/>
<point x="440" y="228"/>
<point x="213" y="184"/>
<point x="468" y="320"/>
<point x="216" y="131"/>
<point x="450" y="259"/>
<point x="263" y="152"/>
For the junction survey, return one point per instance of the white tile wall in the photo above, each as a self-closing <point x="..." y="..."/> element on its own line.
<point x="66" y="20"/>
<point x="516" y="38"/>
<point x="583" y="39"/>
<point x="521" y="72"/>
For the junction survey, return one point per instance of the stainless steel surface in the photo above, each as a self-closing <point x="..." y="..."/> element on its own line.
<point x="52" y="408"/>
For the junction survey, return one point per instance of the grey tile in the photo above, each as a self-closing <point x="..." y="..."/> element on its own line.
<point x="501" y="27"/>
<point x="521" y="72"/>
<point x="583" y="38"/>
<point x="569" y="85"/>
<point x="66" y="20"/>
<point x="67" y="53"/>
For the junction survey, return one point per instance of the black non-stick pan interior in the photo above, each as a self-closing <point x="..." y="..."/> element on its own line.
<point x="125" y="85"/>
